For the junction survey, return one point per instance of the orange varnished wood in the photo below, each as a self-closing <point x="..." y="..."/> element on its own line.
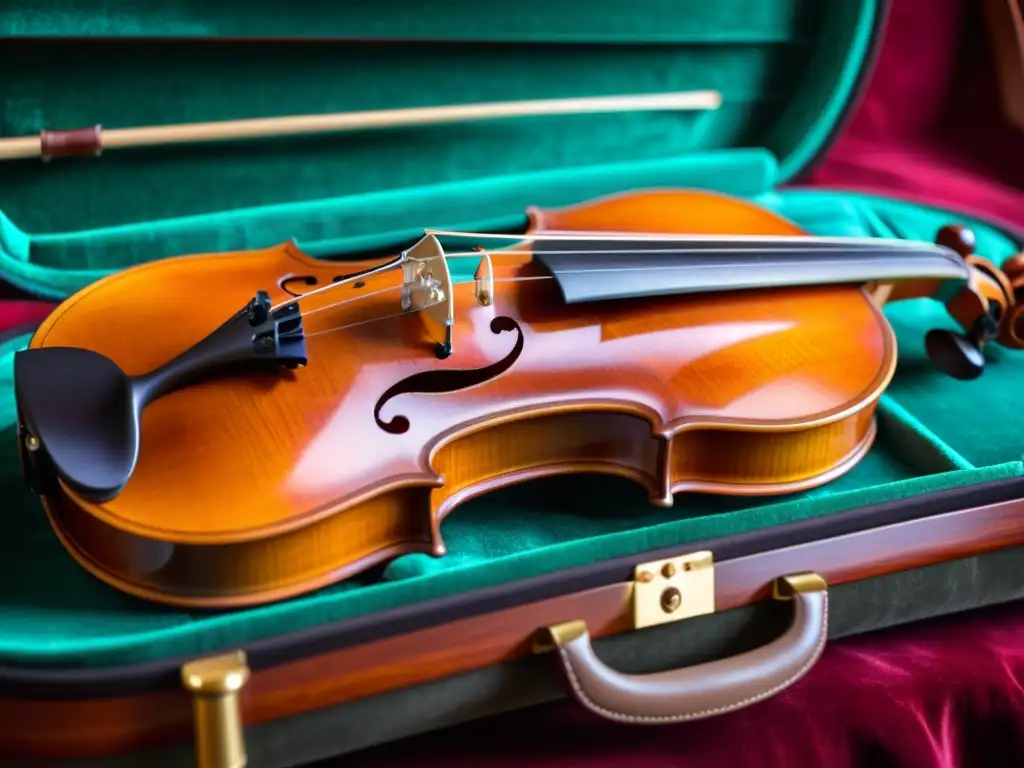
<point x="116" y="723"/>
<point x="259" y="487"/>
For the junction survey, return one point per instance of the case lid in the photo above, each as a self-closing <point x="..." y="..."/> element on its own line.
<point x="786" y="70"/>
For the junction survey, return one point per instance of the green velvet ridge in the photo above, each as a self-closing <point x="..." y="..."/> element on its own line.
<point x="785" y="69"/>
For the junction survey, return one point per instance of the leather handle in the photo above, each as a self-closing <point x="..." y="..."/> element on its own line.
<point x="707" y="689"/>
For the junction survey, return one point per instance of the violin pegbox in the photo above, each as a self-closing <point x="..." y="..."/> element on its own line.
<point x="1011" y="334"/>
<point x="427" y="290"/>
<point x="982" y="308"/>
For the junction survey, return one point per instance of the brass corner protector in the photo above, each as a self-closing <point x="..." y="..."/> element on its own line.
<point x="214" y="684"/>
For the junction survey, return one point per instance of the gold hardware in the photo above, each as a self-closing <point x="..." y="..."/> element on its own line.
<point x="784" y="587"/>
<point x="683" y="587"/>
<point x="32" y="442"/>
<point x="559" y="634"/>
<point x="214" y="684"/>
<point x="671" y="600"/>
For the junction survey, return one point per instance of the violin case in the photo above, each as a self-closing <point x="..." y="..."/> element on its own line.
<point x="567" y="586"/>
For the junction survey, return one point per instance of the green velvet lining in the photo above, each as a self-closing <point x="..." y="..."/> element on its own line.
<point x="785" y="68"/>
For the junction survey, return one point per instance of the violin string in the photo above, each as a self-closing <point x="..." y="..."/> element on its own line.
<point x="799" y="245"/>
<point x="369" y="320"/>
<point x="403" y="312"/>
<point x="384" y="267"/>
<point x="350" y="299"/>
<point x="555" y="235"/>
<point x="590" y="270"/>
<point x="814" y="249"/>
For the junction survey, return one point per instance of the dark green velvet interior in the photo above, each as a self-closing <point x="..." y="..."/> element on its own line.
<point x="785" y="69"/>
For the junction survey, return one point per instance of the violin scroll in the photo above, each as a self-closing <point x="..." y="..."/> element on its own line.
<point x="1012" y="331"/>
<point x="987" y="310"/>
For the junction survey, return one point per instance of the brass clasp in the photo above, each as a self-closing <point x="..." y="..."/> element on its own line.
<point x="672" y="589"/>
<point x="214" y="684"/>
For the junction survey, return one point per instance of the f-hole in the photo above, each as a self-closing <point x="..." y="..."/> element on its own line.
<point x="443" y="382"/>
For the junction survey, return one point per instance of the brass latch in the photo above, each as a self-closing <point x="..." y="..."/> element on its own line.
<point x="214" y="684"/>
<point x="672" y="589"/>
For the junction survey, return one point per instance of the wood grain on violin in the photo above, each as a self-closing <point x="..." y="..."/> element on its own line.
<point x="576" y="350"/>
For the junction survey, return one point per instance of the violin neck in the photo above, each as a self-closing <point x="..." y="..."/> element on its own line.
<point x="591" y="269"/>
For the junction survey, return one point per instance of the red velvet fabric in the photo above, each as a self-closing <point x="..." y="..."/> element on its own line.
<point x="947" y="693"/>
<point x="929" y="127"/>
<point x="15" y="315"/>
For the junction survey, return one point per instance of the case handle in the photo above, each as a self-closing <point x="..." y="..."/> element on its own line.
<point x="707" y="689"/>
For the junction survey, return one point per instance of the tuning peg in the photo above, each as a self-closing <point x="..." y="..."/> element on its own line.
<point x="957" y="238"/>
<point x="960" y="355"/>
<point x="1013" y="268"/>
<point x="954" y="354"/>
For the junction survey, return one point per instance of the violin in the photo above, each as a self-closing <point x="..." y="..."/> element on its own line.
<point x="296" y="421"/>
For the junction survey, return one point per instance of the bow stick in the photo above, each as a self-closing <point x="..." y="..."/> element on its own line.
<point x="86" y="142"/>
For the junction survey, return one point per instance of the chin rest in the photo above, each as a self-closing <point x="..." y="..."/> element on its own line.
<point x="81" y="405"/>
<point x="79" y="413"/>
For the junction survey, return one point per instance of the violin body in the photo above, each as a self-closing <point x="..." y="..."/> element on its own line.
<point x="254" y="487"/>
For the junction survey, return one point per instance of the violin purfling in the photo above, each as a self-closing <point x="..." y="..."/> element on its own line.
<point x="308" y="419"/>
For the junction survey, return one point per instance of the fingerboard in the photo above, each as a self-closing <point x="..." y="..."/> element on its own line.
<point x="595" y="270"/>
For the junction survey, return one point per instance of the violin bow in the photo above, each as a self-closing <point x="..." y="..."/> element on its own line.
<point x="91" y="142"/>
